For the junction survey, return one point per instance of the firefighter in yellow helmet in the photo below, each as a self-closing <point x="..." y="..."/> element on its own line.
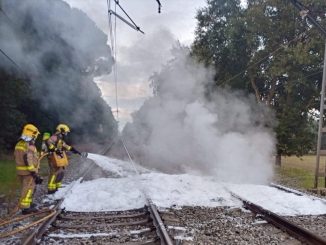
<point x="58" y="159"/>
<point x="44" y="147"/>
<point x="26" y="158"/>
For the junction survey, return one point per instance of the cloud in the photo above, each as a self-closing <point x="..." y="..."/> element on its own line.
<point x="179" y="20"/>
<point x="135" y="65"/>
<point x="125" y="92"/>
<point x="139" y="56"/>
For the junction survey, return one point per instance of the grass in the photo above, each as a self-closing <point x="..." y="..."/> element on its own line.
<point x="295" y="171"/>
<point x="8" y="180"/>
<point x="300" y="172"/>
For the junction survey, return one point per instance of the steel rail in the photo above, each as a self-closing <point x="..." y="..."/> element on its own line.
<point x="160" y="228"/>
<point x="300" y="233"/>
<point x="36" y="235"/>
<point x="132" y="223"/>
<point x="25" y="227"/>
<point x="296" y="192"/>
<point x="104" y="217"/>
<point x="22" y="217"/>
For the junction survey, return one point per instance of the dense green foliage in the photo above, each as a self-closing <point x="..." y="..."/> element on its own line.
<point x="267" y="49"/>
<point x="58" y="51"/>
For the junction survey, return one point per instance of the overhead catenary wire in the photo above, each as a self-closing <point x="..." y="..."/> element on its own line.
<point x="125" y="21"/>
<point x="118" y="4"/>
<point x="132" y="24"/>
<point x="12" y="61"/>
<point x="3" y="52"/>
<point x="159" y="6"/>
<point x="281" y="46"/>
<point x="113" y="40"/>
<point x="305" y="13"/>
<point x="116" y="63"/>
<point x="4" y="13"/>
<point x="9" y="20"/>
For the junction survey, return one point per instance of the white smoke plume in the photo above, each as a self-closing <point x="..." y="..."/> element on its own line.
<point x="179" y="130"/>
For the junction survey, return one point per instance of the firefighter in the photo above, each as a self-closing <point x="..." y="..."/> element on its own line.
<point x="26" y="158"/>
<point x="46" y="136"/>
<point x="57" y="158"/>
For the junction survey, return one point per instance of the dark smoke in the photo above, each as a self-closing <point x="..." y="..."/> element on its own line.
<point x="59" y="51"/>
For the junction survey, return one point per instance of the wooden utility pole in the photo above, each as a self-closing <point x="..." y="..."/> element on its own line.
<point x="321" y="123"/>
<point x="305" y="13"/>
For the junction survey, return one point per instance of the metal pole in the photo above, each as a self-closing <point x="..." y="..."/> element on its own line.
<point x="321" y="119"/>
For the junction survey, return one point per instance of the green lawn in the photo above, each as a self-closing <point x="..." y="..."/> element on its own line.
<point x="300" y="172"/>
<point x="8" y="181"/>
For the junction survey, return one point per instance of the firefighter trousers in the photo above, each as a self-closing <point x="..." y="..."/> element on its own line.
<point x="55" y="177"/>
<point x="27" y="190"/>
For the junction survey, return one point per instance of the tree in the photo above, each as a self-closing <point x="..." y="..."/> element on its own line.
<point x="12" y="96"/>
<point x="220" y="41"/>
<point x="279" y="60"/>
<point x="58" y="50"/>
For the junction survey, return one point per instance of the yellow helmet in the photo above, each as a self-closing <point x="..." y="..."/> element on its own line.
<point x="46" y="136"/>
<point x="63" y="128"/>
<point x="30" y="131"/>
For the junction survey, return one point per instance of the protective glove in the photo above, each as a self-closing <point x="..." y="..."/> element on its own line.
<point x="74" y="150"/>
<point x="59" y="153"/>
<point x="53" y="149"/>
<point x="37" y="179"/>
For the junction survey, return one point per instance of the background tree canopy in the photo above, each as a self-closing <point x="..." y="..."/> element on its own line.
<point x="268" y="49"/>
<point x="57" y="52"/>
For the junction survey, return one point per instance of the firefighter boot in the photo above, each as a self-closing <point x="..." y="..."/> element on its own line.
<point x="31" y="209"/>
<point x="52" y="191"/>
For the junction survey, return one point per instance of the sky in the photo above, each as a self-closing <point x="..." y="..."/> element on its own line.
<point x="138" y="55"/>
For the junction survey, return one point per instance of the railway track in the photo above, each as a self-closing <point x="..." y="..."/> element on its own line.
<point x="149" y="225"/>
<point x="138" y="226"/>
<point x="282" y="223"/>
<point x="296" y="192"/>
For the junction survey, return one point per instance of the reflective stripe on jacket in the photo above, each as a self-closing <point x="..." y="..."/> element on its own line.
<point x="55" y="143"/>
<point x="26" y="158"/>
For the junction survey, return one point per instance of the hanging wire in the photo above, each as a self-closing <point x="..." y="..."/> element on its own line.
<point x="117" y="4"/>
<point x="130" y="23"/>
<point x="4" y="53"/>
<point x="159" y="6"/>
<point x="113" y="41"/>
<point x="11" y="60"/>
<point x="281" y="46"/>
<point x="116" y="63"/>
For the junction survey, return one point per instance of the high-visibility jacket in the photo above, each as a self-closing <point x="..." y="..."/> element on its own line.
<point x="45" y="137"/>
<point x="55" y="143"/>
<point x="26" y="158"/>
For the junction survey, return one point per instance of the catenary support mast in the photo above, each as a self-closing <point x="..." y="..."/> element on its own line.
<point x="304" y="12"/>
